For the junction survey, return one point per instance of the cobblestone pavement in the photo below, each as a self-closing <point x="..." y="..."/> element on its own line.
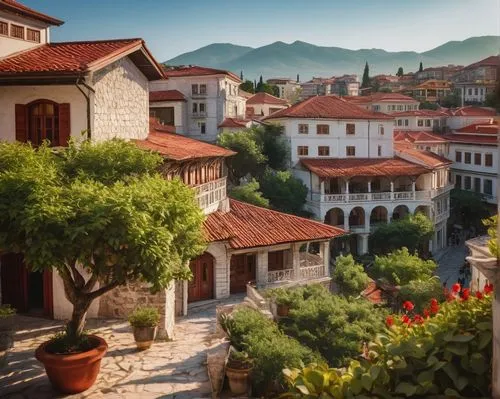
<point x="175" y="369"/>
<point x="449" y="262"/>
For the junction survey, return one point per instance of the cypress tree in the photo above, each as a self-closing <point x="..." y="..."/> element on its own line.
<point x="366" y="76"/>
<point x="421" y="67"/>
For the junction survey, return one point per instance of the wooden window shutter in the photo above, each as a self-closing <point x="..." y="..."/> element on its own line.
<point x="64" y="124"/>
<point x="21" y="123"/>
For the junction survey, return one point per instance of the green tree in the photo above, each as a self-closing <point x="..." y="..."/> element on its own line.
<point x="101" y="208"/>
<point x="400" y="267"/>
<point x="285" y="192"/>
<point x="428" y="105"/>
<point x="249" y="158"/>
<point x="274" y="145"/>
<point x="420" y="292"/>
<point x="452" y="100"/>
<point x="493" y="99"/>
<point x="247" y="86"/>
<point x="349" y="276"/>
<point x="241" y="75"/>
<point x="467" y="209"/>
<point x="421" y="67"/>
<point x="400" y="72"/>
<point x="365" y="82"/>
<point x="249" y="193"/>
<point x="413" y="232"/>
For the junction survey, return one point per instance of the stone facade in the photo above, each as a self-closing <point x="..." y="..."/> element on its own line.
<point x="121" y="102"/>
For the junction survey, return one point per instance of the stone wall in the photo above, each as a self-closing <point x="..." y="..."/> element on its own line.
<point x="121" y="102"/>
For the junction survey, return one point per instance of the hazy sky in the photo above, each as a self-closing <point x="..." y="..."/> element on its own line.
<point x="172" y="27"/>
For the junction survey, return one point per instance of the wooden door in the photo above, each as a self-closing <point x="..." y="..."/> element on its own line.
<point x="242" y="272"/>
<point x="14" y="275"/>
<point x="201" y="287"/>
<point x="48" y="294"/>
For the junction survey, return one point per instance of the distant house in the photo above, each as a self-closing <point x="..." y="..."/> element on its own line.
<point x="287" y="87"/>
<point x="264" y="104"/>
<point x="423" y="140"/>
<point x="432" y="90"/>
<point x="423" y="119"/>
<point x="437" y="73"/>
<point x="388" y="103"/>
<point x="468" y="115"/>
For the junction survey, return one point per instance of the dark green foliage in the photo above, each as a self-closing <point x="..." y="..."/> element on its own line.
<point x="452" y="100"/>
<point x="144" y="317"/>
<point x="274" y="145"/>
<point x="400" y="267"/>
<point x="285" y="192"/>
<point x="428" y="105"/>
<point x="420" y="292"/>
<point x="247" y="86"/>
<point x="6" y="311"/>
<point x="249" y="193"/>
<point x="365" y="82"/>
<point x="468" y="209"/>
<point x="421" y="67"/>
<point x="493" y="99"/>
<point x="400" y="72"/>
<point x="412" y="232"/>
<point x="349" y="276"/>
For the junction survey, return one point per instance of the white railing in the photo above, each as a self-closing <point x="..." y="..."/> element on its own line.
<point x="441" y="217"/>
<point x="442" y="190"/>
<point x="311" y="272"/>
<point x="210" y="193"/>
<point x="280" y="275"/>
<point x="384" y="196"/>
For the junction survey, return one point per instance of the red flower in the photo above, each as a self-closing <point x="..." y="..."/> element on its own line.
<point x="434" y="306"/>
<point x="389" y="321"/>
<point x="488" y="288"/>
<point x="479" y="295"/>
<point x="418" y="319"/>
<point x="427" y="313"/>
<point x="465" y="294"/>
<point x="407" y="305"/>
<point x="456" y="288"/>
<point x="405" y="319"/>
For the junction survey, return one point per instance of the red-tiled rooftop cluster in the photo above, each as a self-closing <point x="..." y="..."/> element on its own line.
<point x="166" y="95"/>
<point x="265" y="98"/>
<point x="195" y="70"/>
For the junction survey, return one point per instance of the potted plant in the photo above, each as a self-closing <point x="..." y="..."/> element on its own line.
<point x="238" y="369"/>
<point x="100" y="216"/>
<point x="6" y="331"/>
<point x="144" y="321"/>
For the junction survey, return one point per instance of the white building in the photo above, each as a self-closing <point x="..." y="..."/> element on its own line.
<point x="263" y="104"/>
<point x="388" y="103"/>
<point x="420" y="120"/>
<point x="355" y="175"/>
<point x="468" y="115"/>
<point x="288" y="88"/>
<point x="474" y="151"/>
<point x="422" y="140"/>
<point x="211" y="95"/>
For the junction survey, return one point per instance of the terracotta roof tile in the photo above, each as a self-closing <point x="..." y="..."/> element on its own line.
<point x="480" y="128"/>
<point x="471" y="110"/>
<point x="327" y="107"/>
<point x="249" y="226"/>
<point x="493" y="60"/>
<point x="472" y="139"/>
<point x="380" y="97"/>
<point x="373" y="294"/>
<point x="166" y="95"/>
<point x="434" y="84"/>
<point x="417" y="137"/>
<point x="195" y="70"/>
<point x="351" y="167"/>
<point x="421" y="113"/>
<point x="233" y="122"/>
<point x="427" y="159"/>
<point x="20" y="9"/>
<point x="265" y="98"/>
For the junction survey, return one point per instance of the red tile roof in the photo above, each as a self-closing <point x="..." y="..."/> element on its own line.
<point x="471" y="110"/>
<point x="74" y="58"/>
<point x="493" y="60"/>
<point x="427" y="159"/>
<point x="380" y="97"/>
<point x="15" y="7"/>
<point x="166" y="95"/>
<point x="480" y="128"/>
<point x="472" y="139"/>
<point x="233" y="122"/>
<point x="373" y="294"/>
<point x="249" y="226"/>
<point x="350" y="167"/>
<point x="417" y="137"/>
<point x="421" y="113"/>
<point x="434" y="84"/>
<point x="265" y="98"/>
<point x="326" y="107"/>
<point x="195" y="70"/>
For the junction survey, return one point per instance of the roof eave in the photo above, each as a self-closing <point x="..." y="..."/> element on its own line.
<point x="35" y="15"/>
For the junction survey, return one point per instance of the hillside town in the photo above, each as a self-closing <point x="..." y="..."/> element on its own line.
<point x="182" y="231"/>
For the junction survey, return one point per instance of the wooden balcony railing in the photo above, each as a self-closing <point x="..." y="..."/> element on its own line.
<point x="208" y="194"/>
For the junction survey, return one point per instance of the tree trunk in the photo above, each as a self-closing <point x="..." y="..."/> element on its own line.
<point x="77" y="322"/>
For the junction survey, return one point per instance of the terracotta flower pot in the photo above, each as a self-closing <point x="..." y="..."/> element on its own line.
<point x="282" y="310"/>
<point x="73" y="373"/>
<point x="238" y="380"/>
<point x="144" y="337"/>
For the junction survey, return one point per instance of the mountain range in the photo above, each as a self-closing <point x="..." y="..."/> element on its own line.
<point x="287" y="60"/>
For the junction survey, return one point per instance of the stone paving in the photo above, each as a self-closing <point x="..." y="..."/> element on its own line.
<point x="449" y="262"/>
<point x="175" y="369"/>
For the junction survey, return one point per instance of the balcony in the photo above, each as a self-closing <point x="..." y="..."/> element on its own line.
<point x="208" y="195"/>
<point x="199" y="114"/>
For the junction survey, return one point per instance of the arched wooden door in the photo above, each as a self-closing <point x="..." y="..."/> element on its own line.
<point x="201" y="287"/>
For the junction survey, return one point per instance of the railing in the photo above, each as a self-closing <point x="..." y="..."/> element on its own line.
<point x="201" y="114"/>
<point x="441" y="217"/>
<point x="383" y="196"/>
<point x="442" y="190"/>
<point x="311" y="272"/>
<point x="210" y="193"/>
<point x="280" y="275"/>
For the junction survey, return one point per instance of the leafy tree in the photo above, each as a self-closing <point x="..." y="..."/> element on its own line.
<point x="249" y="158"/>
<point x="101" y="208"/>
<point x="412" y="232"/>
<point x="248" y="86"/>
<point x="249" y="193"/>
<point x="421" y="67"/>
<point x="400" y="72"/>
<point x="428" y="105"/>
<point x="493" y="99"/>
<point x="420" y="292"/>
<point x="468" y="209"/>
<point x="285" y="192"/>
<point x="350" y="277"/>
<point x="274" y="145"/>
<point x="452" y="100"/>
<point x="400" y="267"/>
<point x="365" y="82"/>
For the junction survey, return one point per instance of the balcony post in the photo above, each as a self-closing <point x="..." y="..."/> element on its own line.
<point x="295" y="249"/>
<point x="413" y="189"/>
<point x="322" y="187"/>
<point x="369" y="190"/>
<point x="325" y="250"/>
<point x="346" y="221"/>
<point x="347" y="190"/>
<point x="392" y="190"/>
<point x="262" y="268"/>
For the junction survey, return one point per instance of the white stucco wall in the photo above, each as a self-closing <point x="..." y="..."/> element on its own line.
<point x="180" y="113"/>
<point x="394" y="106"/>
<point x="121" y="102"/>
<point x="457" y="122"/>
<point x="12" y="95"/>
<point x="265" y="109"/>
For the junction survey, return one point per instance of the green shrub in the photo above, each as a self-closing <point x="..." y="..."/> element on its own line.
<point x="492" y="224"/>
<point x="6" y="311"/>
<point x="144" y="317"/>
<point x="350" y="277"/>
<point x="400" y="267"/>
<point x="420" y="292"/>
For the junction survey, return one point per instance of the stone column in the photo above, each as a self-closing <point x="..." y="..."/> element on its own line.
<point x="367" y="221"/>
<point x="414" y="188"/>
<point x="392" y="190"/>
<point x="347" y="190"/>
<point x="346" y="221"/>
<point x="322" y="187"/>
<point x="369" y="186"/>
<point x="364" y="244"/>
<point x="295" y="250"/>
<point x="325" y="251"/>
<point x="262" y="268"/>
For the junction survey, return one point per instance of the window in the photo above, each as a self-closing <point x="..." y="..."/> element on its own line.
<point x="488" y="159"/>
<point x="381" y="130"/>
<point x="322" y="129"/>
<point x="203" y="108"/>
<point x="302" y="150"/>
<point x="488" y="186"/>
<point x="195" y="108"/>
<point x="17" y="31"/>
<point x="323" y="151"/>
<point x="427" y="123"/>
<point x="458" y="181"/>
<point x="482" y="91"/>
<point x="350" y="151"/>
<point x="470" y="92"/>
<point x="379" y="150"/>
<point x="458" y="156"/>
<point x="420" y="123"/>
<point x="406" y="122"/>
<point x="33" y="35"/>
<point x="203" y="89"/>
<point x="476" y="91"/>
<point x="376" y="107"/>
<point x="477" y="184"/>
<point x="203" y="127"/>
<point x="400" y="107"/>
<point x="303" y="128"/>
<point x="350" y="128"/>
<point x="400" y="122"/>
<point x="477" y="158"/>
<point x="467" y="182"/>
<point x="165" y="115"/>
<point x="467" y="157"/>
<point x="43" y="123"/>
<point x="4" y="28"/>
<point x="194" y="89"/>
<point x="427" y="148"/>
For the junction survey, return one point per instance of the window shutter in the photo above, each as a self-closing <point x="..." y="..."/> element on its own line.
<point x="64" y="124"/>
<point x="21" y="123"/>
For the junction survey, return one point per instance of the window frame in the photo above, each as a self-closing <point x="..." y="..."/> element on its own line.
<point x="204" y="91"/>
<point x="468" y="158"/>
<point x="322" y="148"/>
<point x="488" y="159"/>
<point x="193" y="91"/>
<point x="490" y="187"/>
<point x="321" y="127"/>
<point x="348" y="131"/>
<point x="15" y="26"/>
<point x="302" y="150"/>
<point x="5" y="24"/>
<point x="347" y="150"/>
<point x="381" y="130"/>
<point x="478" y="157"/>
<point x="33" y="31"/>
<point x="303" y="125"/>
<point x="467" y="182"/>
<point x="458" y="156"/>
